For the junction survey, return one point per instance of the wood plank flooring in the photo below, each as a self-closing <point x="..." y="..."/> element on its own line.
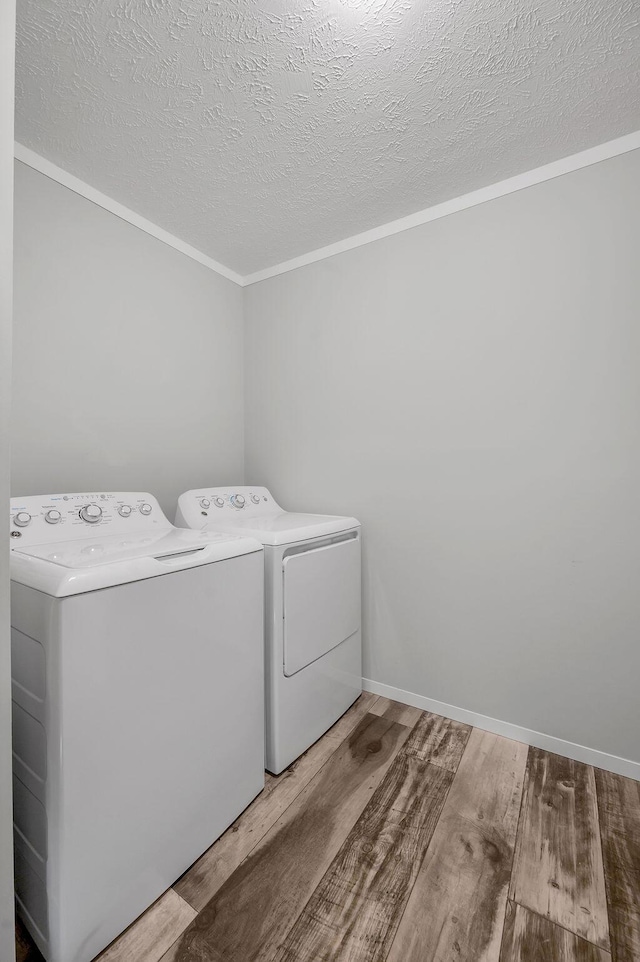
<point x="529" y="937"/>
<point x="402" y="836"/>
<point x="356" y="908"/>
<point x="619" y="809"/>
<point x="465" y="873"/>
<point x="558" y="870"/>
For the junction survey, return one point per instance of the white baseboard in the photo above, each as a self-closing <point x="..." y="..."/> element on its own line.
<point x="590" y="756"/>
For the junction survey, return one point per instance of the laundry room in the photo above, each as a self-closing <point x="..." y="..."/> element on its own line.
<point x="319" y="435"/>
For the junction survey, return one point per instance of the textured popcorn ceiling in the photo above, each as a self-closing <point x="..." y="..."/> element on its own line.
<point x="258" y="130"/>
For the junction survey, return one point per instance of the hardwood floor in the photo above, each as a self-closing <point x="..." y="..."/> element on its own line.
<point x="25" y="949"/>
<point x="619" y="808"/>
<point x="402" y="836"/>
<point x="457" y="906"/>
<point x="558" y="870"/>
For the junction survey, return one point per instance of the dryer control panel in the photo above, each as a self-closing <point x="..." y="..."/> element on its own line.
<point x="44" y="519"/>
<point x="196" y="508"/>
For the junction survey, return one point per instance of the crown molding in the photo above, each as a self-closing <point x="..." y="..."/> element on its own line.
<point x="594" y="155"/>
<point x="44" y="166"/>
<point x="586" y="158"/>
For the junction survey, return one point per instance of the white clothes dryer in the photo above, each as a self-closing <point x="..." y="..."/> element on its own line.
<point x="313" y="639"/>
<point x="138" y="729"/>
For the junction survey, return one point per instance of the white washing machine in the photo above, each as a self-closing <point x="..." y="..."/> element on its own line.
<point x="313" y="638"/>
<point x="138" y="728"/>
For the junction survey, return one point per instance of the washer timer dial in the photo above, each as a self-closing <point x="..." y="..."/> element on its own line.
<point x="237" y="500"/>
<point x="91" y="513"/>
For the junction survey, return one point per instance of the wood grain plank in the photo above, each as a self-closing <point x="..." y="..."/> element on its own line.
<point x="457" y="906"/>
<point x="153" y="933"/>
<point x="355" y="911"/>
<point x="530" y="938"/>
<point x="256" y="907"/>
<point x="396" y="711"/>
<point x="619" y="812"/>
<point x="26" y="949"/>
<point x="558" y="870"/>
<point x="201" y="882"/>
<point x="618" y="802"/>
<point x="438" y="740"/>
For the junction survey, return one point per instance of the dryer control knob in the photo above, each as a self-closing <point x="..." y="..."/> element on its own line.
<point x="53" y="516"/>
<point x="91" y="513"/>
<point x="237" y="500"/>
<point x="124" y="510"/>
<point x="145" y="509"/>
<point x="22" y="519"/>
<point x="204" y="503"/>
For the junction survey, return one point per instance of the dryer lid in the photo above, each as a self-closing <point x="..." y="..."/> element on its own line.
<point x="253" y="511"/>
<point x="284" y="527"/>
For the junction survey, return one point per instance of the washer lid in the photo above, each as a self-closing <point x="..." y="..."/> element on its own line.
<point x="68" y="568"/>
<point x="284" y="527"/>
<point x="111" y="549"/>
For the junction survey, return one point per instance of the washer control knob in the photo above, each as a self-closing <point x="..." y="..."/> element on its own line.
<point x="145" y="509"/>
<point x="219" y="502"/>
<point x="124" y="510"/>
<point x="53" y="516"/>
<point x="204" y="503"/>
<point x="237" y="500"/>
<point x="91" y="513"/>
<point x="22" y="519"/>
<point x="255" y="499"/>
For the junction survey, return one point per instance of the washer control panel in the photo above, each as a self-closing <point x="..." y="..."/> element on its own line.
<point x="197" y="508"/>
<point x="39" y="519"/>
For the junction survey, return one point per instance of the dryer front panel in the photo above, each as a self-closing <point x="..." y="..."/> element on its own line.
<point x="321" y="587"/>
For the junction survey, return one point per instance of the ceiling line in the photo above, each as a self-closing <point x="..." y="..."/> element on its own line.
<point x="44" y="166"/>
<point x="585" y="158"/>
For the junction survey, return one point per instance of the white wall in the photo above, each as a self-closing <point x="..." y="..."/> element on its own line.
<point x="470" y="389"/>
<point x="127" y="355"/>
<point x="7" y="47"/>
